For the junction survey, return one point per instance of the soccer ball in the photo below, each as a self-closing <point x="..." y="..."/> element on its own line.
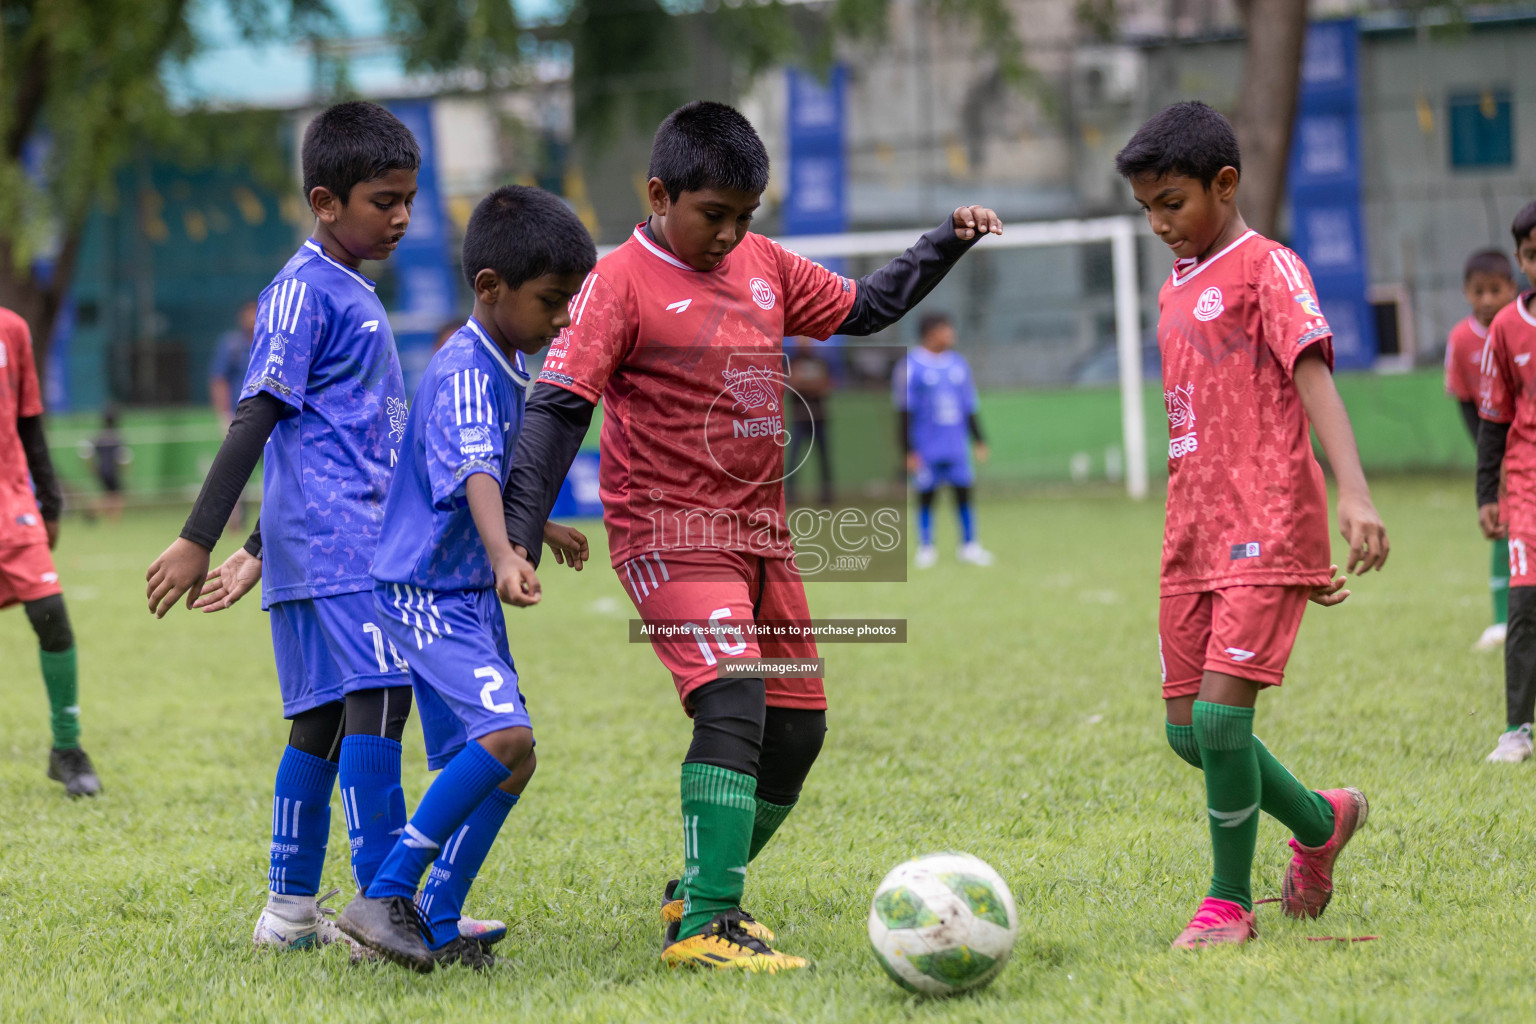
<point x="942" y="924"/>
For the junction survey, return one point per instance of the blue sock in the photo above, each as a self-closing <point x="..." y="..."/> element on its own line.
<point x="371" y="800"/>
<point x="925" y="525"/>
<point x="442" y="898"/>
<point x="459" y="789"/>
<point x="301" y="822"/>
<point x="967" y="522"/>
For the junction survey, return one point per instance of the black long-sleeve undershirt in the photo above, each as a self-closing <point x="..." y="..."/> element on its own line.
<point x="555" y="420"/>
<point x="254" y="420"/>
<point x="1491" y="439"/>
<point x="34" y="445"/>
<point x="1470" y="417"/>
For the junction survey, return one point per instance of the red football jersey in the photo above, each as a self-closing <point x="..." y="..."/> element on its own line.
<point x="1246" y="501"/>
<point x="1507" y="394"/>
<point x="20" y="396"/>
<point x="689" y="366"/>
<point x="1463" y="360"/>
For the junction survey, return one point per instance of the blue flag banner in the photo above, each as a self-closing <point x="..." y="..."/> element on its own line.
<point x="817" y="200"/>
<point x="425" y="298"/>
<point x="1327" y="221"/>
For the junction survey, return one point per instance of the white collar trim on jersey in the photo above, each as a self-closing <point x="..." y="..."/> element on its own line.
<point x="660" y="253"/>
<point x="1477" y="327"/>
<point x="354" y="275"/>
<point x="1525" y="314"/>
<point x="1177" y="280"/>
<point x="520" y="374"/>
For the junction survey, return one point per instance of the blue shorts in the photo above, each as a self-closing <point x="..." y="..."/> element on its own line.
<point x="328" y="647"/>
<point x="956" y="473"/>
<point x="455" y="642"/>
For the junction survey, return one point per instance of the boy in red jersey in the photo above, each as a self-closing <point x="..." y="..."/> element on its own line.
<point x="1488" y="282"/>
<point x="1247" y="366"/>
<point x="1507" y="442"/>
<point x="679" y="331"/>
<point x="29" y="527"/>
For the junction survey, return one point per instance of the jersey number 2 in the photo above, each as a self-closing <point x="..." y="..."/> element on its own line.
<point x="494" y="682"/>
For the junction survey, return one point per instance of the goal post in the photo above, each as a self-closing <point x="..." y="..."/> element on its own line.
<point x="1119" y="232"/>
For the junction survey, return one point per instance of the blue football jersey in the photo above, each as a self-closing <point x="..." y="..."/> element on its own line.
<point x="938" y="392"/>
<point x="464" y="420"/>
<point x="323" y="346"/>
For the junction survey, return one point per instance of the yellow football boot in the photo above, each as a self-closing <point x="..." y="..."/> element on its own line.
<point x="672" y="916"/>
<point x="724" y="946"/>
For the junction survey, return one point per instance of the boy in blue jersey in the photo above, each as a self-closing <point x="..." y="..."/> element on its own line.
<point x="936" y="397"/>
<point x="443" y="561"/>
<point x="323" y="395"/>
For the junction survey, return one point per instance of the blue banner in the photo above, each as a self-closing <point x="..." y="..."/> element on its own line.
<point x="425" y="298"/>
<point x="817" y="199"/>
<point x="1327" y="222"/>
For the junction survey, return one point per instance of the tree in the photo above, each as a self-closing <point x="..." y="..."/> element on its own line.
<point x="1266" y="104"/>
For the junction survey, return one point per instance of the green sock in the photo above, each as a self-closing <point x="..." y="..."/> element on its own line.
<point x="1498" y="581"/>
<point x="63" y="696"/>
<point x="1303" y="811"/>
<point x="718" y="808"/>
<point x="767" y="821"/>
<point x="1232" y="795"/>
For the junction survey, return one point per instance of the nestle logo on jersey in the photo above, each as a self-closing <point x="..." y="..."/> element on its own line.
<point x="1241" y="551"/>
<point x="760" y="426"/>
<point x="475" y="440"/>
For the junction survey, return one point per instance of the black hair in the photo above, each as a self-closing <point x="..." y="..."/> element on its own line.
<point x="1488" y="261"/>
<point x="522" y="233"/>
<point x="1189" y="138"/>
<point x="1525" y="223"/>
<point x="708" y="145"/>
<point x="930" y="321"/>
<point x="355" y="142"/>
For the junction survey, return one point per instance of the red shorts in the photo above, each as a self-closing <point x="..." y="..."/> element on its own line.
<point x="27" y="574"/>
<point x="1246" y="632"/>
<point x="709" y="591"/>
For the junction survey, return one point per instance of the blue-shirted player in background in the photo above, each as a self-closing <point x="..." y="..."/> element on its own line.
<point x="444" y="559"/>
<point x="324" y="385"/>
<point x="936" y="396"/>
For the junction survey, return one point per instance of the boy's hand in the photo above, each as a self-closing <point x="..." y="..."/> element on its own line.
<point x="1488" y="519"/>
<point x="971" y="221"/>
<point x="1332" y="593"/>
<point x="516" y="582"/>
<point x="568" y="544"/>
<point x="914" y="462"/>
<point x="51" y="528"/>
<point x="180" y="569"/>
<point x="1367" y="537"/>
<point x="983" y="453"/>
<point x="229" y="582"/>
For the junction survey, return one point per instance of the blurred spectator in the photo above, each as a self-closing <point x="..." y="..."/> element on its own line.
<point x="109" y="455"/>
<point x="226" y="376"/>
<point x="810" y="377"/>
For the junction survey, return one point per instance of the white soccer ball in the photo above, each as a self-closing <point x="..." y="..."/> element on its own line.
<point x="942" y="924"/>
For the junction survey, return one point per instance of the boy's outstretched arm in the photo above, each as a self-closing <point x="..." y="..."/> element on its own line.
<point x="516" y="583"/>
<point x="183" y="567"/>
<point x="891" y="292"/>
<point x="554" y="424"/>
<point x="1359" y="522"/>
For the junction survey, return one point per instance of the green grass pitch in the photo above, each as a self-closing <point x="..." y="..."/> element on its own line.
<point x="1021" y="723"/>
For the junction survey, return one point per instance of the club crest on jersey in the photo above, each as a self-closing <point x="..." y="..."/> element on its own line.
<point x="1308" y="303"/>
<point x="398" y="413"/>
<point x="1181" y="416"/>
<point x="751" y="388"/>
<point x="762" y="293"/>
<point x="1209" y="306"/>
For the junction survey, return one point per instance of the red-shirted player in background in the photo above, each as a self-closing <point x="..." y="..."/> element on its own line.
<point x="679" y="332"/>
<point x="1247" y="365"/>
<point x="1507" y="441"/>
<point x="29" y="527"/>
<point x="1488" y="282"/>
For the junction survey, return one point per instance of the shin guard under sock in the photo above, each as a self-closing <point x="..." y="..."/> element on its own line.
<point x="766" y="820"/>
<point x="301" y="823"/>
<point x="718" y="811"/>
<point x="1282" y="797"/>
<point x="372" y="801"/>
<point x="61" y="679"/>
<point x="1232" y="793"/>
<point x="442" y="897"/>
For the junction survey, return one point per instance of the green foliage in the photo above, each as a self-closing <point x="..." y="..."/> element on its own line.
<point x="454" y="35"/>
